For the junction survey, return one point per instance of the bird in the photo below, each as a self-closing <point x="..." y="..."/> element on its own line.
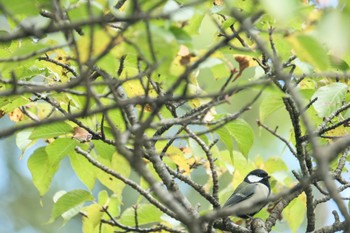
<point x="251" y="195"/>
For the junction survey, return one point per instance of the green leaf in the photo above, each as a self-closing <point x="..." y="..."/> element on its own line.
<point x="80" y="11"/>
<point x="104" y="150"/>
<point x="42" y="170"/>
<point x="8" y="104"/>
<point x="146" y="214"/>
<point x="108" y="63"/>
<point x="83" y="169"/>
<point x="112" y="202"/>
<point x="194" y="24"/>
<point x="238" y="131"/>
<point x="165" y="45"/>
<point x="225" y="137"/>
<point x="28" y="47"/>
<point x="275" y="164"/>
<point x="45" y="161"/>
<point x="102" y="197"/>
<point x="70" y="204"/>
<point x="332" y="31"/>
<point x="181" y="35"/>
<point x="210" y="62"/>
<point x="339" y="63"/>
<point x="329" y="98"/>
<point x="195" y="148"/>
<point x="243" y="134"/>
<point x="51" y="130"/>
<point x="22" y="140"/>
<point x="283" y="10"/>
<point x="310" y="50"/>
<point x="220" y="71"/>
<point x="270" y="104"/>
<point x="60" y="148"/>
<point x="234" y="161"/>
<point x="176" y="13"/>
<point x="92" y="221"/>
<point x="22" y="7"/>
<point x="118" y="164"/>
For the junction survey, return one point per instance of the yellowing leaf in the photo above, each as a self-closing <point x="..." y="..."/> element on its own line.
<point x="16" y="115"/>
<point x="219" y="2"/>
<point x="111" y="203"/>
<point x="307" y="83"/>
<point x="133" y="88"/>
<point x="101" y="39"/>
<point x="337" y="132"/>
<point x="91" y="221"/>
<point x="244" y="62"/>
<point x="81" y="134"/>
<point x="185" y="55"/>
<point x="177" y="156"/>
<point x="176" y="66"/>
<point x="59" y="73"/>
<point x="39" y="110"/>
<point x="297" y="206"/>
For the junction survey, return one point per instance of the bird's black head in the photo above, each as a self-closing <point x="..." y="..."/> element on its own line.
<point x="258" y="176"/>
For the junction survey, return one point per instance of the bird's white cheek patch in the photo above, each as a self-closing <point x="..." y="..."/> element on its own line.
<point x="254" y="178"/>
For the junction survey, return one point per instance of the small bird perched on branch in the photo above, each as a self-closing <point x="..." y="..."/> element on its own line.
<point x="251" y="195"/>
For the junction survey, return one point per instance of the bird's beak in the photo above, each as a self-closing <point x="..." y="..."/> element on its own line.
<point x="268" y="177"/>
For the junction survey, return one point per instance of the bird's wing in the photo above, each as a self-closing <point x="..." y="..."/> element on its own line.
<point x="246" y="190"/>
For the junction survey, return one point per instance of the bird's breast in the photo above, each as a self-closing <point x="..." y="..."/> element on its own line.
<point x="255" y="202"/>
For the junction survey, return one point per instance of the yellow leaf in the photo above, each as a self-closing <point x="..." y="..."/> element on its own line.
<point x="184" y="57"/>
<point x="101" y="39"/>
<point x="93" y="218"/>
<point x="133" y="88"/>
<point x="177" y="156"/>
<point x="40" y="110"/>
<point x="59" y="73"/>
<point x="308" y="83"/>
<point x="16" y="115"/>
<point x="219" y="2"/>
<point x="337" y="132"/>
<point x="296" y="206"/>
